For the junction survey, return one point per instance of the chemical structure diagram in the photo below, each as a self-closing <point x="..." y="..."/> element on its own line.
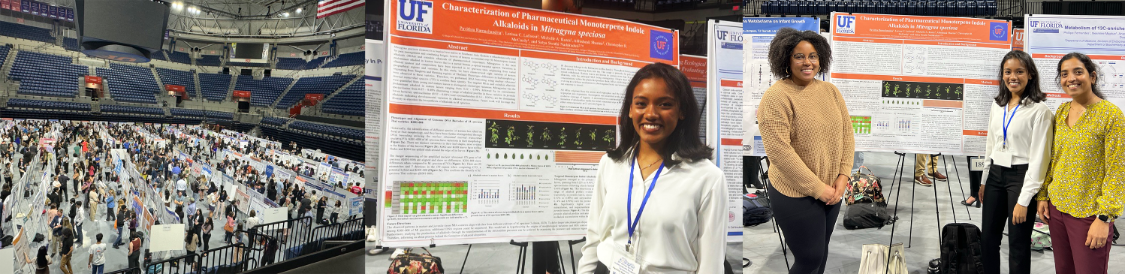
<point x="539" y="84"/>
<point x="914" y="60"/>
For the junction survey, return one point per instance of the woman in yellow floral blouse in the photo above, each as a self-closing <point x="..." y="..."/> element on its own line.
<point x="1083" y="192"/>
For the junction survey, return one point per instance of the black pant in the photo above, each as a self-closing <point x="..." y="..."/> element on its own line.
<point x="206" y="241"/>
<point x="974" y="179"/>
<point x="751" y="165"/>
<point x="1001" y="194"/>
<point x="807" y="224"/>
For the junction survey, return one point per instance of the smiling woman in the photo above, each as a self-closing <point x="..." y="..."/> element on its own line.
<point x="670" y="175"/>
<point x="807" y="133"/>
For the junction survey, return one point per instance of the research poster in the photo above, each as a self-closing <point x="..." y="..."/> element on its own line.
<point x="497" y="117"/>
<point x="918" y="84"/>
<point x="695" y="68"/>
<point x="373" y="99"/>
<point x="1017" y="39"/>
<point x="724" y="126"/>
<point x="1102" y="38"/>
<point x="757" y="34"/>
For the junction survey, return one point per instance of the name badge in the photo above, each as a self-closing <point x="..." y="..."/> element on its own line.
<point x="623" y="262"/>
<point x="1002" y="158"/>
<point x="978" y="164"/>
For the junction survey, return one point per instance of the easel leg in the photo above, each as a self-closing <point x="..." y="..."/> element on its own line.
<point x="466" y="258"/>
<point x="897" y="179"/>
<point x="776" y="228"/>
<point x="910" y="235"/>
<point x="961" y="186"/>
<point x="949" y="189"/>
<point x="933" y="179"/>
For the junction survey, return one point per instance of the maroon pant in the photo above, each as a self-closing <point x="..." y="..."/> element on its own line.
<point x="1068" y="242"/>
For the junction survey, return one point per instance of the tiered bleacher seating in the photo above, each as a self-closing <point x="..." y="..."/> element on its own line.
<point x="291" y="63"/>
<point x="179" y="78"/>
<point x="28" y="103"/>
<point x="346" y="59"/>
<point x="315" y="63"/>
<point x="209" y="60"/>
<point x="214" y="86"/>
<point x="46" y="75"/>
<point x="26" y="32"/>
<point x="219" y="115"/>
<point x="159" y="55"/>
<point x="186" y="112"/>
<point x="132" y="110"/>
<point x="326" y="129"/>
<point x="313" y="85"/>
<point x="263" y="92"/>
<point x="70" y="44"/>
<point x="130" y="83"/>
<point x="179" y="57"/>
<point x="349" y="101"/>
<point x="903" y="7"/>
<point x="3" y="54"/>
<point x="275" y="121"/>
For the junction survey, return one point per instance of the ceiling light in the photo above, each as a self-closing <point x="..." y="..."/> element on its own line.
<point x="284" y="14"/>
<point x="299" y="10"/>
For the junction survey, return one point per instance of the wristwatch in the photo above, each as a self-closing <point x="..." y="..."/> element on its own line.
<point x="1106" y="218"/>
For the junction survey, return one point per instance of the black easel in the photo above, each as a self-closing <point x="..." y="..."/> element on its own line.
<point x="899" y="170"/>
<point x="522" y="258"/>
<point x="766" y="181"/>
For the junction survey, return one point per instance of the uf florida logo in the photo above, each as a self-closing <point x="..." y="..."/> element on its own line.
<point x="415" y="16"/>
<point x="998" y="31"/>
<point x="845" y="24"/>
<point x="661" y="45"/>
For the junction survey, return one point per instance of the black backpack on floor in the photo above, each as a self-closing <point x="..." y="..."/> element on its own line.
<point x="960" y="249"/>
<point x="866" y="215"/>
<point x="755" y="209"/>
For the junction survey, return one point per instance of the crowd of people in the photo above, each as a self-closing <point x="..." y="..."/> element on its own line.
<point x="85" y="184"/>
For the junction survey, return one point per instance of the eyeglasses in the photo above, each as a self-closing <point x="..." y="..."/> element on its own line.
<point x="800" y="57"/>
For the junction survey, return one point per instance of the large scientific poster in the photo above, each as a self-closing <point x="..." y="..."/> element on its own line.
<point x="758" y="33"/>
<point x="724" y="126"/>
<point x="1050" y="37"/>
<point x="496" y="118"/>
<point x="373" y="99"/>
<point x="918" y="84"/>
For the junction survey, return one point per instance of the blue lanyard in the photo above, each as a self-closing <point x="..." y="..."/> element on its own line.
<point x="1007" y="122"/>
<point x="630" y="222"/>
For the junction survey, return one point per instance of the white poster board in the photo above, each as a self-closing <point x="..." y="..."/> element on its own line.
<point x="1049" y="37"/>
<point x="724" y="127"/>
<point x="171" y="238"/>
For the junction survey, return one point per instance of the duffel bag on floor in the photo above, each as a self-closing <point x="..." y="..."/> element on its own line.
<point x="865" y="215"/>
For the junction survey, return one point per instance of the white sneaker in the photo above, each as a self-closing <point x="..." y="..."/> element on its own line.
<point x="371" y="234"/>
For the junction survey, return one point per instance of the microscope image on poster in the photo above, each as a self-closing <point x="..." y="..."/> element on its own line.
<point x="927" y="91"/>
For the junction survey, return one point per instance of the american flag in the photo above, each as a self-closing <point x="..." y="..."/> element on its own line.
<point x="329" y="7"/>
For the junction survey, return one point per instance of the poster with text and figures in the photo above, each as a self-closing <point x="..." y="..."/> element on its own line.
<point x="695" y="68"/>
<point x="724" y="126"/>
<point x="496" y="118"/>
<point x="757" y="34"/>
<point x="1102" y="38"/>
<point x="918" y="84"/>
<point x="373" y="103"/>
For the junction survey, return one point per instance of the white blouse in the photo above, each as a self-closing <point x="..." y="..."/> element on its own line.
<point x="682" y="229"/>
<point x="1030" y="136"/>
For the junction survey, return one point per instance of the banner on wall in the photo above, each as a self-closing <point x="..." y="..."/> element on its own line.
<point x="545" y="92"/>
<point x="757" y="34"/>
<point x="724" y="126"/>
<point x="918" y="84"/>
<point x="1017" y="39"/>
<point x="1102" y="38"/>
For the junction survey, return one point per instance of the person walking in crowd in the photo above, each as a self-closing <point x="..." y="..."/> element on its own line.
<point x="807" y="133"/>
<point x="96" y="262"/>
<point x="67" y="241"/>
<point x="664" y="160"/>
<point x="1084" y="189"/>
<point x="1019" y="148"/>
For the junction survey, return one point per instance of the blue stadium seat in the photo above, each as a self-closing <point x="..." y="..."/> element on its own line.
<point x="275" y="121"/>
<point x="46" y="75"/>
<point x="26" y="32"/>
<point x="349" y="101"/>
<point x="291" y="63"/>
<point x="346" y="59"/>
<point x="219" y="115"/>
<point x="181" y="112"/>
<point x="179" y="78"/>
<point x="263" y="92"/>
<point x="209" y="60"/>
<point x="130" y="83"/>
<point x="349" y="133"/>
<point x="179" y="57"/>
<point x="53" y="105"/>
<point x="132" y="110"/>
<point x="214" y="86"/>
<point x="313" y="85"/>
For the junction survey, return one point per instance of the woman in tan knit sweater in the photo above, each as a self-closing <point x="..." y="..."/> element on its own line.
<point x="808" y="137"/>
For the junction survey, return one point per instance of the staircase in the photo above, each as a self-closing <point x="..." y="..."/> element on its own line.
<point x="198" y="88"/>
<point x="278" y="100"/>
<point x="230" y="88"/>
<point x="6" y="65"/>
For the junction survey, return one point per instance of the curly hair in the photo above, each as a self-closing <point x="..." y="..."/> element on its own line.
<point x="781" y="48"/>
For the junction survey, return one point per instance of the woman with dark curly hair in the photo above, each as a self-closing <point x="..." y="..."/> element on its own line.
<point x="670" y="177"/>
<point x="808" y="137"/>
